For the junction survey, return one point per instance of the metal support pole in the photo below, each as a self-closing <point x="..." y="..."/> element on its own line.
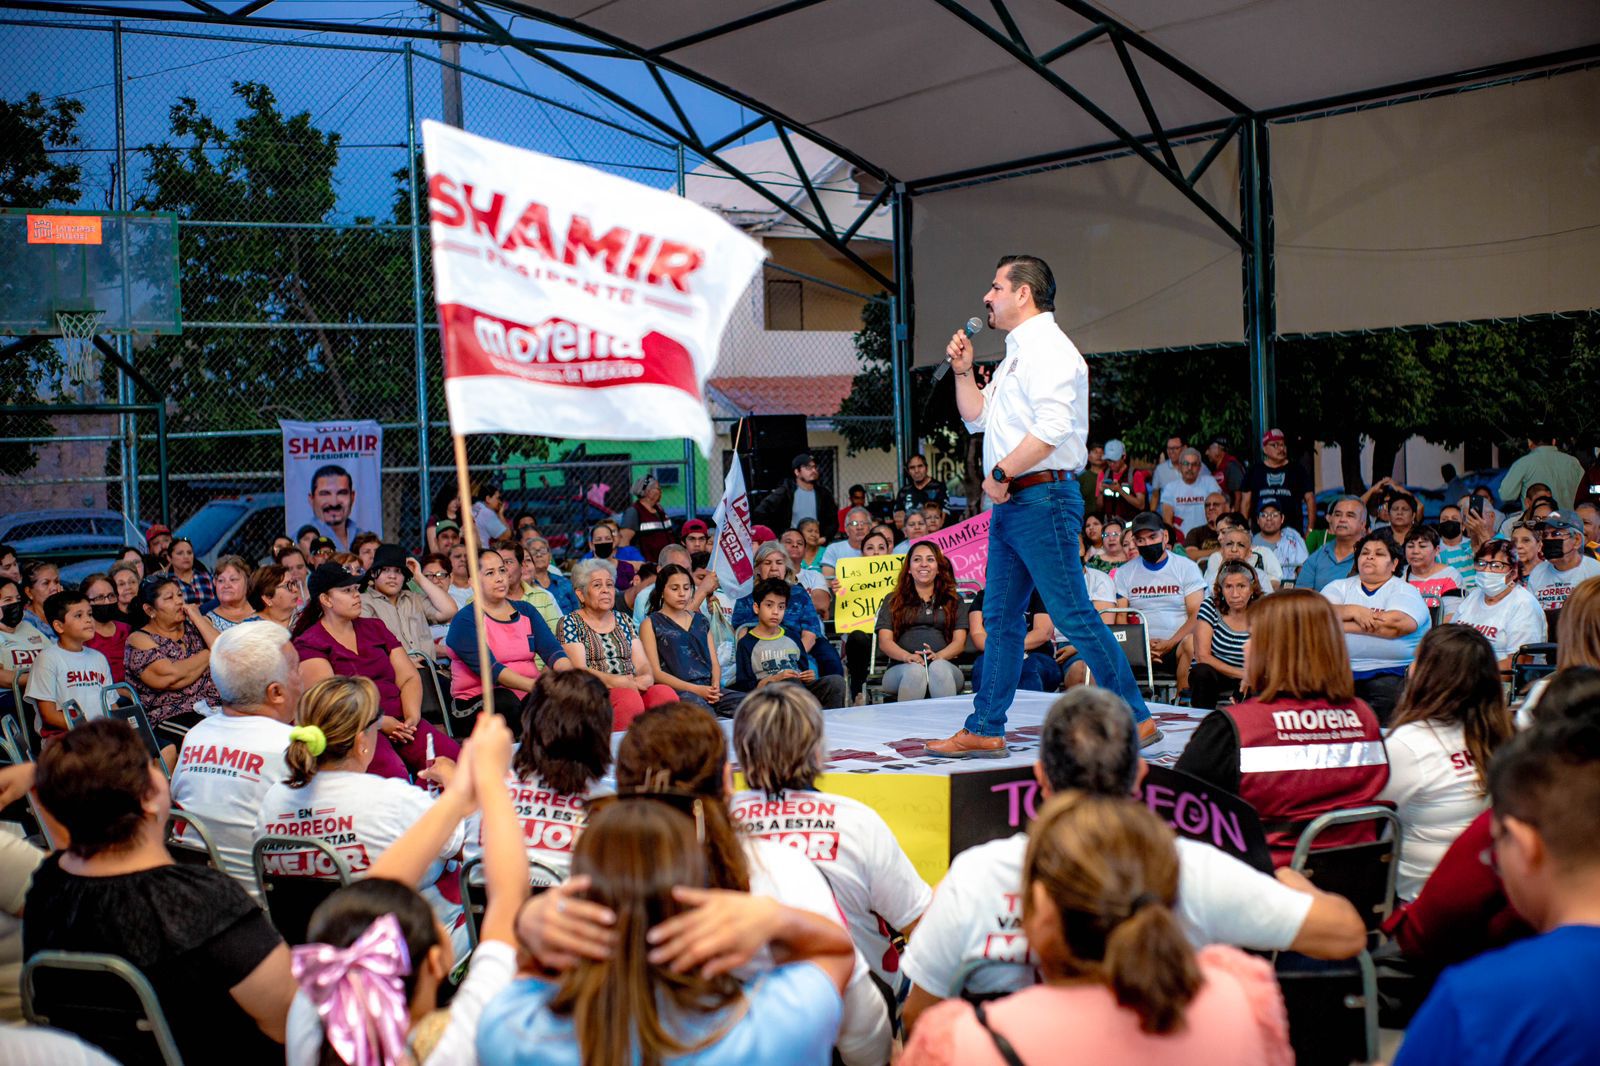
<point x="1260" y="284"/>
<point x="419" y="344"/>
<point x="128" y="423"/>
<point x="901" y="317"/>
<point x="690" y="489"/>
<point x="449" y="71"/>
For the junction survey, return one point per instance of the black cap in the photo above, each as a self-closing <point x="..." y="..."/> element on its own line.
<point x="803" y="459"/>
<point x="303" y="530"/>
<point x="323" y="544"/>
<point x="387" y="557"/>
<point x="327" y="577"/>
<point x="1146" y="522"/>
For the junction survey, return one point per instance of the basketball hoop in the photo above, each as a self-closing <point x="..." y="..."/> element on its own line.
<point x="78" y="330"/>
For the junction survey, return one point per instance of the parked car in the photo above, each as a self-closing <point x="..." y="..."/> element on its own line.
<point x="235" y="525"/>
<point x="79" y="540"/>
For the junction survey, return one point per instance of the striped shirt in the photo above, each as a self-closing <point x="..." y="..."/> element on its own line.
<point x="1226" y="644"/>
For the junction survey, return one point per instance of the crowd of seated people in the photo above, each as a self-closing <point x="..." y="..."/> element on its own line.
<point x="674" y="915"/>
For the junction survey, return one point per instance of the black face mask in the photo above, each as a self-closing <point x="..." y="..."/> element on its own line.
<point x="699" y="560"/>
<point x="603" y="551"/>
<point x="1554" y="547"/>
<point x="11" y="614"/>
<point x="1151" y="553"/>
<point x="105" y="612"/>
<point x="1449" y="530"/>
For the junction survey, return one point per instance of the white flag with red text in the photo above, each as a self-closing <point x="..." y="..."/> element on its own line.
<point x="733" y="558"/>
<point x="574" y="303"/>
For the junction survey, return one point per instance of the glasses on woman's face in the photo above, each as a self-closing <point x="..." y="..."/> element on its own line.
<point x="436" y="575"/>
<point x="103" y="598"/>
<point x="1495" y="566"/>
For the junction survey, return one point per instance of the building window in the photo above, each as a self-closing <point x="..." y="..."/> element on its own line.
<point x="785" y="300"/>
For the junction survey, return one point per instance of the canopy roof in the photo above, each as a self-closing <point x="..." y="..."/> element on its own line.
<point x="920" y="89"/>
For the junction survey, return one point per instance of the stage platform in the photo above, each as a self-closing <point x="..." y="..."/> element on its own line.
<point x="939" y="807"/>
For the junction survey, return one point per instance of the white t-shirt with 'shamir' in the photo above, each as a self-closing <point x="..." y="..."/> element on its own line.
<point x="1188" y="502"/>
<point x="872" y="879"/>
<point x="1158" y="592"/>
<point x="784" y="874"/>
<point x="551" y="822"/>
<point x="1514" y="621"/>
<point x="59" y="675"/>
<point x="361" y="816"/>
<point x="1551" y="587"/>
<point x="227" y="764"/>
<point x="976" y="915"/>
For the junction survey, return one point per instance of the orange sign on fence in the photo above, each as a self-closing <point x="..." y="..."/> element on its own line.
<point x="63" y="229"/>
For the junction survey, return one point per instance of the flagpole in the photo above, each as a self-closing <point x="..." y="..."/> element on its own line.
<point x="469" y="532"/>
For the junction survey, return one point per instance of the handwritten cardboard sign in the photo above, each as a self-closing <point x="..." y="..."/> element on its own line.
<point x="966" y="545"/>
<point x="864" y="583"/>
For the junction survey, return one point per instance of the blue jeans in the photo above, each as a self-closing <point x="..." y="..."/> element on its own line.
<point x="1040" y="672"/>
<point x="1033" y="542"/>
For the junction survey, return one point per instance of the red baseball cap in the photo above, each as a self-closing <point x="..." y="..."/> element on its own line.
<point x="695" y="525"/>
<point x="1273" y="436"/>
<point x="762" y="534"/>
<point x="156" y="530"/>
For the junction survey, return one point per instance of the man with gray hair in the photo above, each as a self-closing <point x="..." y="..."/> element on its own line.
<point x="1336" y="559"/>
<point x="1183" y="499"/>
<point x="1089" y="742"/>
<point x="230" y="759"/>
<point x="857" y="524"/>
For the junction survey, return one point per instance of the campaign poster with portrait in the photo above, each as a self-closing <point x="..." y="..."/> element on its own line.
<point x="333" y="479"/>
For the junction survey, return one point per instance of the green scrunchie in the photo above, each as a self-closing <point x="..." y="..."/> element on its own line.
<point x="312" y="737"/>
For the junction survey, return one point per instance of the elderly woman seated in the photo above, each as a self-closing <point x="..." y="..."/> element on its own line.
<point x="602" y="640"/>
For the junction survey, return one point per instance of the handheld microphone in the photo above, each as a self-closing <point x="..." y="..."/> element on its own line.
<point x="973" y="327"/>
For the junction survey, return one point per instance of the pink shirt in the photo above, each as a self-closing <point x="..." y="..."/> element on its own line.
<point x="1237" y="1019"/>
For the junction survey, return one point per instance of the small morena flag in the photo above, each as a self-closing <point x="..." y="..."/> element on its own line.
<point x="733" y="559"/>
<point x="574" y="303"/>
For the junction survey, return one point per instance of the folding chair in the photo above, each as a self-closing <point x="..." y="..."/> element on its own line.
<point x="1134" y="640"/>
<point x="291" y="898"/>
<point x="475" y="895"/>
<point x="1364" y="874"/>
<point x="13" y="739"/>
<point x="430" y="683"/>
<point x="74" y="714"/>
<point x="183" y="830"/>
<point x="104" y="1000"/>
<point x="23" y="712"/>
<point x="121" y="702"/>
<point x="24" y="812"/>
<point x="1529" y="663"/>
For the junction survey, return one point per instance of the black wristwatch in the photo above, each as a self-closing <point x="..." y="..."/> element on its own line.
<point x="999" y="475"/>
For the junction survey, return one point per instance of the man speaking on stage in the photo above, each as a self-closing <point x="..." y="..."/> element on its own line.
<point x="1034" y="415"/>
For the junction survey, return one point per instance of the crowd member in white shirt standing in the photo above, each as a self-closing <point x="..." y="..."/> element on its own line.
<point x="778" y="738"/>
<point x="1499" y="608"/>
<point x="1183" y="501"/>
<point x="1166" y="470"/>
<point x="1447" y="725"/>
<point x="1088" y="743"/>
<point x="330" y="795"/>
<point x="230" y="760"/>
<point x="1565" y="565"/>
<point x="1034" y="417"/>
<point x="1166" y="589"/>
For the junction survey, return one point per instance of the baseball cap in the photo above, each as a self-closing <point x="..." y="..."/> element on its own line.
<point x="803" y="459"/>
<point x="157" y="530"/>
<point x="695" y="525"/>
<point x="1115" y="451"/>
<point x="1264" y="504"/>
<point x="323" y="544"/>
<point x="303" y="530"/>
<point x="761" y="534"/>
<point x="1562" y="522"/>
<point x="1146" y="522"/>
<point x="1273" y="436"/>
<point x="446" y="523"/>
<point x="329" y="576"/>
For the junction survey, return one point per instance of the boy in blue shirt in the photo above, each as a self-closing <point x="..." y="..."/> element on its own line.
<point x="1530" y="1002"/>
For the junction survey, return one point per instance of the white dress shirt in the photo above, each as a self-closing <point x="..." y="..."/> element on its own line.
<point x="1042" y="388"/>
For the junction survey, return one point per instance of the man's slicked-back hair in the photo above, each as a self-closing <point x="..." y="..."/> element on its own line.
<point x="1035" y="273"/>
<point x="1089" y="743"/>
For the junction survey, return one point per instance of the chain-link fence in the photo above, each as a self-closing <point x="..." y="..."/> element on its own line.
<point x="289" y="161"/>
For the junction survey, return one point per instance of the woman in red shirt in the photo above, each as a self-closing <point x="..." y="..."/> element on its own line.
<point x="1301" y="744"/>
<point x="110" y="630"/>
<point x="332" y="638"/>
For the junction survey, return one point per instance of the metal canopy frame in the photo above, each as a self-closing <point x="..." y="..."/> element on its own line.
<point x="1242" y="124"/>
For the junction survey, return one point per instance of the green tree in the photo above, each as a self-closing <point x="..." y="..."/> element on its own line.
<point x="30" y="176"/>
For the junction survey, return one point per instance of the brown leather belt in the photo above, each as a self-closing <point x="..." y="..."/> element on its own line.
<point x="1038" y="477"/>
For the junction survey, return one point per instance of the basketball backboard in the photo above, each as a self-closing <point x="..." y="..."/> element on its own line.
<point x="124" y="264"/>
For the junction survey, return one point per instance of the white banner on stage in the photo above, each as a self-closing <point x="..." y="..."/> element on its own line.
<point x="574" y="303"/>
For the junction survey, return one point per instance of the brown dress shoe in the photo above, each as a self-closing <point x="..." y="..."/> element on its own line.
<point x="965" y="745"/>
<point x="1148" y="733"/>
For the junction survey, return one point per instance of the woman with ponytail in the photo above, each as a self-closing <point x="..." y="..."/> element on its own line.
<point x="1121" y="983"/>
<point x="667" y="989"/>
<point x="680" y="752"/>
<point x="360" y="814"/>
